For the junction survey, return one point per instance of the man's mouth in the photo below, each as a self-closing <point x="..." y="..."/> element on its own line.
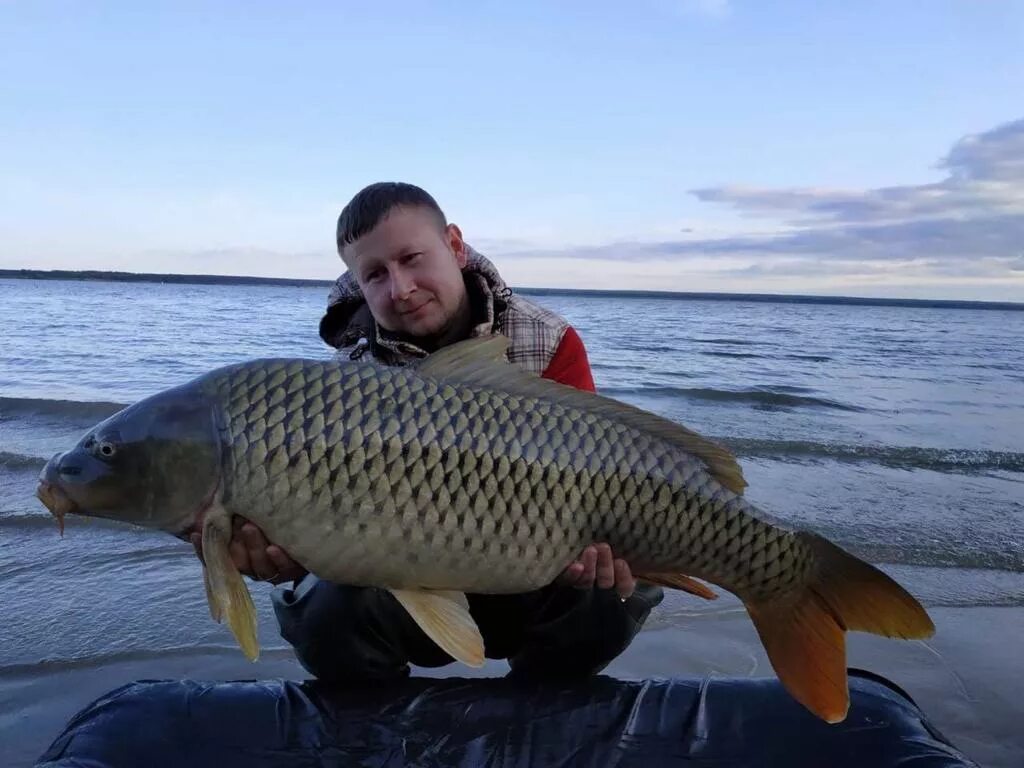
<point x="415" y="309"/>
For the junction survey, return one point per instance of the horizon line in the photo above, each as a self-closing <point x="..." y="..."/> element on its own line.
<point x="208" y="279"/>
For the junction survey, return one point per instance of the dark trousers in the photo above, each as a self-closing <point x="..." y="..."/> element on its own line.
<point x="345" y="633"/>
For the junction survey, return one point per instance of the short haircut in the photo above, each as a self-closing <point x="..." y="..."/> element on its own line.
<point x="373" y="203"/>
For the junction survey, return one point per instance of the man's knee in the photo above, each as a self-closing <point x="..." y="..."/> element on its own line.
<point x="341" y="632"/>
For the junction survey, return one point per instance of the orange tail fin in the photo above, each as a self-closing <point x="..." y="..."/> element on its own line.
<point x="679" y="581"/>
<point x="803" y="632"/>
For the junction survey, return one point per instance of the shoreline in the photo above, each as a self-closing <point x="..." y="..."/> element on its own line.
<point x="965" y="679"/>
<point x="770" y="298"/>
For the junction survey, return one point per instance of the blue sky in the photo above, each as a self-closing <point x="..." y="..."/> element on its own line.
<point x="858" y="148"/>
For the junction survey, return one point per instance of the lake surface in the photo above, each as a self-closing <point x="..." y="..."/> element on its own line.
<point x="896" y="431"/>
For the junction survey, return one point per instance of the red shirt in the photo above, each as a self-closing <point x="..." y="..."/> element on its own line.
<point x="570" y="364"/>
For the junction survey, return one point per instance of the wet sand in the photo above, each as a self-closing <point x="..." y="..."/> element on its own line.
<point x="968" y="679"/>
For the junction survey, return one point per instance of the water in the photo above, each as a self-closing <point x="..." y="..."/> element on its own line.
<point x="897" y="431"/>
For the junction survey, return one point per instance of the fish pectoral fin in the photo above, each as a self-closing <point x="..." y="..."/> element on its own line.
<point x="444" y="617"/>
<point x="211" y="601"/>
<point x="226" y="591"/>
<point x="679" y="581"/>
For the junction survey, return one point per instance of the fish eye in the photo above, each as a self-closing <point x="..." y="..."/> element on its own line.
<point x="107" y="449"/>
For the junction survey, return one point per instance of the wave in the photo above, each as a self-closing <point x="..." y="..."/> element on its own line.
<point x="736" y="342"/>
<point x="653" y="348"/>
<point x="20" y="407"/>
<point x="19" y="461"/>
<point x="810" y="358"/>
<point x="723" y="353"/>
<point x="759" y="398"/>
<point x="102" y="660"/>
<point x="952" y="556"/>
<point x="1011" y="367"/>
<point x="33" y="521"/>
<point x="951" y="460"/>
<point x="84" y="562"/>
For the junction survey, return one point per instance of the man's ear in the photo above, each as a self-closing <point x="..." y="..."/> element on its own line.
<point x="456" y="243"/>
<point x="346" y="258"/>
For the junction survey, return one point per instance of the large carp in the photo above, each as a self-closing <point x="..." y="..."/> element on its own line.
<point x="463" y="473"/>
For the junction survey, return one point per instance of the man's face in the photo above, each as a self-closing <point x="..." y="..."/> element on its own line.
<point x="410" y="271"/>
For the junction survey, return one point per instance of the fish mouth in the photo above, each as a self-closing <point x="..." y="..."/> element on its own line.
<point x="54" y="499"/>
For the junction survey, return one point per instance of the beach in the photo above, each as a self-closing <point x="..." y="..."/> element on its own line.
<point x="966" y="679"/>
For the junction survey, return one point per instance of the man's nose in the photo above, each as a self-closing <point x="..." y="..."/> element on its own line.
<point x="401" y="285"/>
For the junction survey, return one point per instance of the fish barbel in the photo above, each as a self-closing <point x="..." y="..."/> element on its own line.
<point x="463" y="473"/>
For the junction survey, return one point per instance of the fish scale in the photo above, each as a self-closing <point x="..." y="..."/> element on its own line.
<point x="493" y="470"/>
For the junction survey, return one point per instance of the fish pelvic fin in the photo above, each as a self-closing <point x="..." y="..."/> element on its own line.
<point x="226" y="591"/>
<point x="679" y="581"/>
<point x="482" y="361"/>
<point x="444" y="617"/>
<point x="804" y="632"/>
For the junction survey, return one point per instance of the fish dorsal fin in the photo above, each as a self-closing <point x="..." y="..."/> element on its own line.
<point x="467" y="361"/>
<point x="481" y="362"/>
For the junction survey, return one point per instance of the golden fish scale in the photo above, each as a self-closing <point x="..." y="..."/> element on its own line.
<point x="376" y="475"/>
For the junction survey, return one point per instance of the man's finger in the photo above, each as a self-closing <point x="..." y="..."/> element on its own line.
<point x="254" y="538"/>
<point x="625" y="584"/>
<point x="279" y="559"/>
<point x="288" y="569"/>
<point x="256" y="544"/>
<point x="605" y="567"/>
<point x="570" y="576"/>
<point x="240" y="554"/>
<point x="589" y="559"/>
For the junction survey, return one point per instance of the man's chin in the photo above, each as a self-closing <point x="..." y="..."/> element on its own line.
<point x="424" y="327"/>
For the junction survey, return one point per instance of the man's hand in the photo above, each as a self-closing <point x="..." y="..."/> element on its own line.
<point x="254" y="556"/>
<point x="597" y="567"/>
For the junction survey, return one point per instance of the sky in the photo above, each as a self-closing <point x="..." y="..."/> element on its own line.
<point x="863" y="149"/>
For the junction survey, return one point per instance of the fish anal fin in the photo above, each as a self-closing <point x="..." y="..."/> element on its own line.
<point x="481" y="361"/>
<point x="226" y="590"/>
<point x="679" y="581"/>
<point x="444" y="617"/>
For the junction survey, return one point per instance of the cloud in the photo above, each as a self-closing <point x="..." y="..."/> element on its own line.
<point x="969" y="223"/>
<point x="985" y="177"/>
<point x="997" y="155"/>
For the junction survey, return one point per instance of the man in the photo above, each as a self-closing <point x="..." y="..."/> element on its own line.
<point x="413" y="286"/>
